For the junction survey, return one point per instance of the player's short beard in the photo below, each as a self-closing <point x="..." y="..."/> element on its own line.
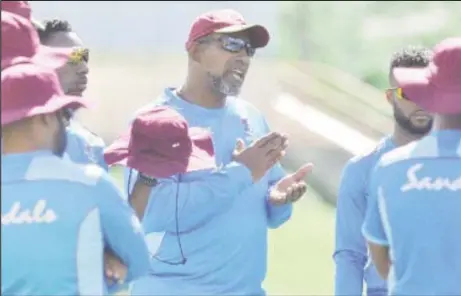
<point x="221" y="86"/>
<point x="405" y="123"/>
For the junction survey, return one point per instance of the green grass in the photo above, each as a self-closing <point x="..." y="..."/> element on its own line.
<point x="300" y="252"/>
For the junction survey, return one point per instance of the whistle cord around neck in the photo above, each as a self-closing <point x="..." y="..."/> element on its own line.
<point x="178" y="235"/>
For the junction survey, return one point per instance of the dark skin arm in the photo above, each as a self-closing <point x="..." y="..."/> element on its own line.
<point x="381" y="259"/>
<point x="115" y="270"/>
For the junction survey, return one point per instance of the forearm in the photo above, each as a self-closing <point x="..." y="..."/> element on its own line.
<point x="277" y="215"/>
<point x="349" y="273"/>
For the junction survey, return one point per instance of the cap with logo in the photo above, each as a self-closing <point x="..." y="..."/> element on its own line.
<point x="160" y="144"/>
<point x="226" y="21"/>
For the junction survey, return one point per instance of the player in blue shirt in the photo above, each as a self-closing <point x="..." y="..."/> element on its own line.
<point x="57" y="216"/>
<point x="413" y="221"/>
<point x="353" y="266"/>
<point x="83" y="146"/>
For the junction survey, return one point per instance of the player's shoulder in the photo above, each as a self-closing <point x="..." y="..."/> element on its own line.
<point x="84" y="134"/>
<point x="368" y="158"/>
<point x="52" y="168"/>
<point x="426" y="147"/>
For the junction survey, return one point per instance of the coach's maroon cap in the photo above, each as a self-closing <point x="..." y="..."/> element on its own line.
<point x="20" y="40"/>
<point x="160" y="144"/>
<point x="226" y="21"/>
<point x="436" y="88"/>
<point x="29" y="89"/>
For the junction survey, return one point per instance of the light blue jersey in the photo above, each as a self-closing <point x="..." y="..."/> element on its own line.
<point x="57" y="217"/>
<point x="353" y="265"/>
<point x="415" y="210"/>
<point x="83" y="146"/>
<point x="223" y="218"/>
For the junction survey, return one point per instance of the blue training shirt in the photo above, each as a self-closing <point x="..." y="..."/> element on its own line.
<point x="353" y="265"/>
<point x="223" y="217"/>
<point x="56" y="219"/>
<point x="415" y="210"/>
<point x="83" y="146"/>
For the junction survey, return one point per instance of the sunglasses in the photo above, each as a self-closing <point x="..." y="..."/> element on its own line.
<point x="398" y="91"/>
<point x="233" y="44"/>
<point x="79" y="55"/>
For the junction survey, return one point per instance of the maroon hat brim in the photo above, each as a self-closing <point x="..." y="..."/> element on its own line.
<point x="46" y="56"/>
<point x="157" y="166"/>
<point x="54" y="104"/>
<point x="418" y="88"/>
<point x="259" y="35"/>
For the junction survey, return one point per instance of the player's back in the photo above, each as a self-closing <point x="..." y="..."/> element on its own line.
<point x="52" y="242"/>
<point x="420" y="202"/>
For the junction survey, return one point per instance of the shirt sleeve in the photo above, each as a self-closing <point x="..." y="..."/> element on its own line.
<point x="373" y="227"/>
<point x="350" y="247"/>
<point x="122" y="230"/>
<point x="195" y="197"/>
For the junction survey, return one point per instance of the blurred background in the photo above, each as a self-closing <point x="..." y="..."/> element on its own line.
<point x="320" y="80"/>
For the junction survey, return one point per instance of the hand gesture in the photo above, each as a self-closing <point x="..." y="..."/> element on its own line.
<point x="262" y="154"/>
<point x="115" y="270"/>
<point x="291" y="188"/>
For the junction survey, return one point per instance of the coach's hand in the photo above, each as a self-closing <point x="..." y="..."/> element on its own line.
<point x="262" y="154"/>
<point x="291" y="188"/>
<point x="114" y="269"/>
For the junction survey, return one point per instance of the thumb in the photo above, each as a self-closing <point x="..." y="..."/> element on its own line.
<point x="239" y="146"/>
<point x="302" y="172"/>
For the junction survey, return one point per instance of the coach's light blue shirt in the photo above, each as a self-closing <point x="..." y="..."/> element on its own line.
<point x="223" y="217"/>
<point x="353" y="265"/>
<point x="83" y="146"/>
<point x="56" y="218"/>
<point x="415" y="210"/>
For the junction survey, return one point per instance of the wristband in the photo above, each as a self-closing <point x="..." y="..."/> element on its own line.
<point x="146" y="180"/>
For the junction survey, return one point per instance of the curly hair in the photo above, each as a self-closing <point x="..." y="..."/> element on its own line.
<point x="411" y="57"/>
<point x="49" y="27"/>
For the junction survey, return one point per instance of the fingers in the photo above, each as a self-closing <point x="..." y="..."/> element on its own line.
<point x="302" y="172"/>
<point x="295" y="192"/>
<point x="265" y="140"/>
<point x="239" y="146"/>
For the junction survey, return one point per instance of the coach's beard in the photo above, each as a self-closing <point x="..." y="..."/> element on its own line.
<point x="225" y="84"/>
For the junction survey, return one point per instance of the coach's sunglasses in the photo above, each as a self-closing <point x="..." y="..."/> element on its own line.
<point x="232" y="44"/>
<point x="79" y="55"/>
<point x="398" y="92"/>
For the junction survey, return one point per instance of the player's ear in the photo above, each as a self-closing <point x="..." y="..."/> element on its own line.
<point x="196" y="52"/>
<point x="389" y="96"/>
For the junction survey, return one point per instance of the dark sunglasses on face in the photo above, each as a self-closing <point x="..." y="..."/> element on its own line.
<point x="235" y="45"/>
<point x="79" y="55"/>
<point x="232" y="44"/>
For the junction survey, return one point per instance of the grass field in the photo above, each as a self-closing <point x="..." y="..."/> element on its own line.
<point x="300" y="252"/>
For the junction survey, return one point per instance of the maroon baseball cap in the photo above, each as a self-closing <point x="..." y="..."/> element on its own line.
<point x="226" y="21"/>
<point x="29" y="89"/>
<point x="436" y="88"/>
<point x="20" y="39"/>
<point x="160" y="144"/>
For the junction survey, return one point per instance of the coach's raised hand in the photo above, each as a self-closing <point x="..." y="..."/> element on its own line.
<point x="262" y="154"/>
<point x="290" y="188"/>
